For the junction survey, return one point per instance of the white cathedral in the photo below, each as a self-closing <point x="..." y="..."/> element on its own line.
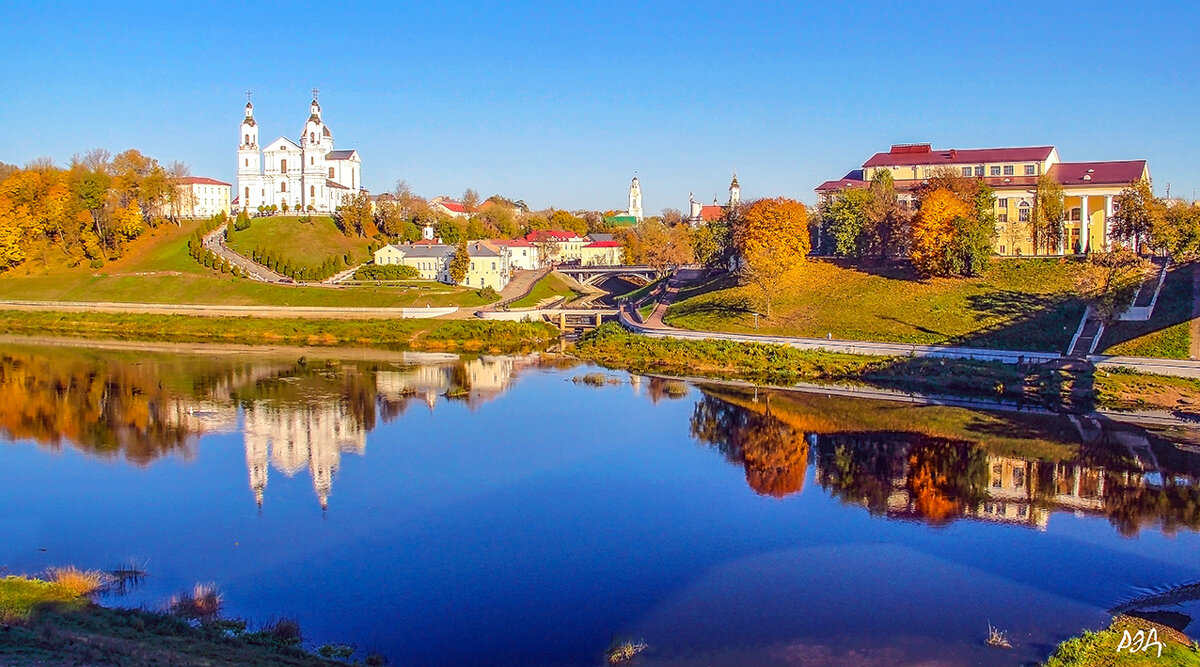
<point x="310" y="173"/>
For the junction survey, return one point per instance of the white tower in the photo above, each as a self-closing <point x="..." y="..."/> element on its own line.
<point x="635" y="199"/>
<point x="249" y="160"/>
<point x="315" y="142"/>
<point x="735" y="191"/>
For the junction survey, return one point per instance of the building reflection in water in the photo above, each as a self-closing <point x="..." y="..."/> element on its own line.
<point x="937" y="464"/>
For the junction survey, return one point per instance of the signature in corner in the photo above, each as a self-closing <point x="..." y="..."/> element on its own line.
<point x="1140" y="641"/>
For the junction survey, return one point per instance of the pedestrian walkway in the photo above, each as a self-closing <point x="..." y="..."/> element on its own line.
<point x="215" y="241"/>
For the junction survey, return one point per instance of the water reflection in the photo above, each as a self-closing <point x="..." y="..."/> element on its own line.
<point x="297" y="415"/>
<point x="936" y="464"/>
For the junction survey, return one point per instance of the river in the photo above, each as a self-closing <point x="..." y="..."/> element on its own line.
<point x="498" y="510"/>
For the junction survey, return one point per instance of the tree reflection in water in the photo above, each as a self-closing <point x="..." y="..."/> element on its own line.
<point x="936" y="464"/>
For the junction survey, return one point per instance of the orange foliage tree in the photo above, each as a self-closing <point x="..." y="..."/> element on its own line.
<point x="772" y="238"/>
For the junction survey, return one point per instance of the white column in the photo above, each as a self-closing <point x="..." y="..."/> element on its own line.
<point x="1083" y="223"/>
<point x="1108" y="211"/>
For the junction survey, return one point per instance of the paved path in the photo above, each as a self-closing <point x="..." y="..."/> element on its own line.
<point x="215" y="241"/>
<point x="655" y="328"/>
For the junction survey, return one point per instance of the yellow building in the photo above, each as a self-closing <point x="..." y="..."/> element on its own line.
<point x="1089" y="187"/>
<point x="489" y="265"/>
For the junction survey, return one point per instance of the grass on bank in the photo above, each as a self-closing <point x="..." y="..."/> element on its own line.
<point x="299" y="242"/>
<point x="612" y="346"/>
<point x="44" y="623"/>
<point x="1167" y="334"/>
<point x="639" y="293"/>
<point x="1099" y="649"/>
<point x="1020" y="304"/>
<point x="551" y="286"/>
<point x="157" y="269"/>
<point x="423" y="334"/>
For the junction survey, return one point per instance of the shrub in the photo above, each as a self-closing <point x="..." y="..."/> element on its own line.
<point x="204" y="602"/>
<point x="386" y="272"/>
<point x="284" y="631"/>
<point x="489" y="293"/>
<point x="79" y="582"/>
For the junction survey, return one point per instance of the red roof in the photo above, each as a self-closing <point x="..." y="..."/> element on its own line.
<point x="834" y="186"/>
<point x="556" y="234"/>
<point x="710" y="213"/>
<point x="199" y="180"/>
<point x="1120" y="172"/>
<point x="920" y="154"/>
<point x="603" y="244"/>
<point x="453" y="206"/>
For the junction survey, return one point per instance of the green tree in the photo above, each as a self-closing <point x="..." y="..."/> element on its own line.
<point x="844" y="223"/>
<point x="1046" y="219"/>
<point x="460" y="263"/>
<point x="1137" y="212"/>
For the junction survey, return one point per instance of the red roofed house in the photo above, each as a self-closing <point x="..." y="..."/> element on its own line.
<point x="199" y="197"/>
<point x="601" y="253"/>
<point x="1089" y="187"/>
<point x="698" y="213"/>
<point x="559" y="246"/>
<point x="522" y="255"/>
<point x="448" y="206"/>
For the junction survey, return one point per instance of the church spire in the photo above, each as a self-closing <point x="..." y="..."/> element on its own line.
<point x="314" y="109"/>
<point x="735" y="190"/>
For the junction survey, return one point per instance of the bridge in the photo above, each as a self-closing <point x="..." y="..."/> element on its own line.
<point x="590" y="275"/>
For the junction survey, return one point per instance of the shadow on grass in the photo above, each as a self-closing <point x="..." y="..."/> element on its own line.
<point x="1166" y="334"/>
<point x="1036" y="322"/>
<point x="892" y="268"/>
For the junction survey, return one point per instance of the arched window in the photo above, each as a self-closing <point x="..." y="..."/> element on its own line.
<point x="247" y="195"/>
<point x="283" y="186"/>
<point x="312" y="137"/>
<point x="283" y="166"/>
<point x="312" y="191"/>
<point x="331" y="172"/>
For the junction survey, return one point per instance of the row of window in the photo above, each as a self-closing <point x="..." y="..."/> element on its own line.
<point x="998" y="170"/>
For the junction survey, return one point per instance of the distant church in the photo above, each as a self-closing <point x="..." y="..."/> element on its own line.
<point x="699" y="214"/>
<point x="310" y="173"/>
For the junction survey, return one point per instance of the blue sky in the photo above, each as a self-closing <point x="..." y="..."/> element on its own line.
<point x="560" y="104"/>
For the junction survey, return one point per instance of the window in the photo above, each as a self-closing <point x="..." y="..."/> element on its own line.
<point x="1003" y="217"/>
<point x="1002" y="251"/>
<point x="979" y="171"/>
<point x="966" y="171"/>
<point x="994" y="171"/>
<point x="1030" y="170"/>
<point x="1008" y="170"/>
<point x="283" y="166"/>
<point x="312" y="137"/>
<point x="247" y="196"/>
<point x="247" y="141"/>
<point x="1076" y="214"/>
<point x="312" y="191"/>
<point x="1023" y="215"/>
<point x="247" y="162"/>
<point x="331" y="172"/>
<point x="1002" y="203"/>
<point x="283" y="186"/>
<point x="311" y="161"/>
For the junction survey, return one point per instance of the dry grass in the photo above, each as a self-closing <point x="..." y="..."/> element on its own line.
<point x="204" y="602"/>
<point x="624" y="652"/>
<point x="80" y="583"/>
<point x="997" y="638"/>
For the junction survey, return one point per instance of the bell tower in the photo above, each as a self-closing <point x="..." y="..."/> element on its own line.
<point x="249" y="167"/>
<point x="635" y="199"/>
<point x="735" y="191"/>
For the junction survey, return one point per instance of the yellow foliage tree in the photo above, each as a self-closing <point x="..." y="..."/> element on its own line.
<point x="127" y="221"/>
<point x="934" y="231"/>
<point x="772" y="238"/>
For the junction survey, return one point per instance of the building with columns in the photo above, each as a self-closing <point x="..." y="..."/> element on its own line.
<point x="1089" y="187"/>
<point x="308" y="172"/>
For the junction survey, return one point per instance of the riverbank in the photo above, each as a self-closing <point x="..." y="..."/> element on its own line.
<point x="433" y="335"/>
<point x="612" y="346"/>
<point x="1105" y="647"/>
<point x="53" y="623"/>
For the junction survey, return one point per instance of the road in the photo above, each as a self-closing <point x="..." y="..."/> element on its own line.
<point x="213" y="310"/>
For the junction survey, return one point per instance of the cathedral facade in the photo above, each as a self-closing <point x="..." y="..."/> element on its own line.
<point x="308" y="173"/>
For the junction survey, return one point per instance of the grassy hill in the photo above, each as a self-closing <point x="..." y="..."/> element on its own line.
<point x="1019" y="304"/>
<point x="300" y="243"/>
<point x="156" y="268"/>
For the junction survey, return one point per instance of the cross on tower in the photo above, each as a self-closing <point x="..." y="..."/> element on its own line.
<point x="315" y="92"/>
<point x="248" y="95"/>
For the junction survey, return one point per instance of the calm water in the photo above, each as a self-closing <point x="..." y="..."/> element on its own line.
<point x="534" y="519"/>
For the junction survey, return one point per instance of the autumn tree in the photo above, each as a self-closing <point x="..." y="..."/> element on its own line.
<point x="355" y="217"/>
<point x="1046" y="219"/>
<point x="139" y="179"/>
<point x="772" y="239"/>
<point x="470" y="201"/>
<point x="1178" y="231"/>
<point x="460" y="263"/>
<point x="1137" y="212"/>
<point x="1109" y="281"/>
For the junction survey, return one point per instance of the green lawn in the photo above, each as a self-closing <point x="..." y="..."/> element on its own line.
<point x="1168" y="332"/>
<point x="300" y="243"/>
<point x="1100" y="649"/>
<point x="158" y="269"/>
<point x="552" y="285"/>
<point x="1019" y="304"/>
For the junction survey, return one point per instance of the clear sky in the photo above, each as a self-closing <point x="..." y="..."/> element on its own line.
<point x="560" y="105"/>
